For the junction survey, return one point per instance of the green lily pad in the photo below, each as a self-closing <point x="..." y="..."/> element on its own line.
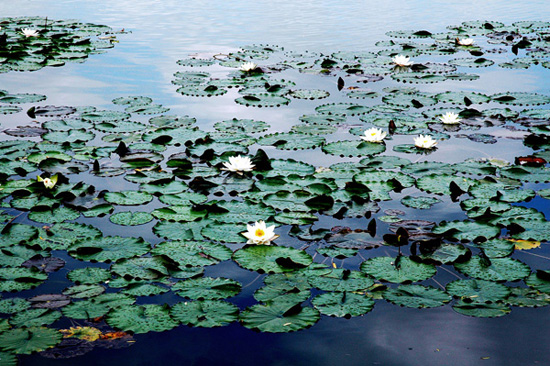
<point x="472" y="62"/>
<point x="104" y="116"/>
<point x="310" y="94"/>
<point x="22" y="98"/>
<point x="520" y="98"/>
<point x="180" y="230"/>
<point x="467" y="230"/>
<point x="108" y="248"/>
<point x="494" y="269"/>
<point x="291" y="141"/>
<point x="28" y="340"/>
<point x="55" y="215"/>
<point x="446" y="253"/>
<point x="13" y="305"/>
<point x="89" y="275"/>
<point x="353" y="148"/>
<point x="397" y="270"/>
<point x="342" y="280"/>
<point x="478" y="291"/>
<point x="343" y="304"/>
<point x="144" y="268"/>
<point x="524" y="297"/>
<point x="131" y="218"/>
<point x="97" y="306"/>
<point x="128" y="198"/>
<point x="84" y="291"/>
<point x="278" y="317"/>
<point x="179" y="213"/>
<point x="205" y="313"/>
<point x="342" y="109"/>
<point x="19" y="279"/>
<point x="207" y="288"/>
<point x="419" y="202"/>
<point x="193" y="253"/>
<point x="271" y="259"/>
<point x="416" y="296"/>
<point x="241" y="125"/>
<point x="481" y="310"/>
<point x="262" y="100"/>
<point x="142" y="319"/>
<point x="34" y="318"/>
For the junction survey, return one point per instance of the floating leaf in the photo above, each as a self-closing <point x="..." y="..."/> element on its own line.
<point x="205" y="313"/>
<point x="28" y="340"/>
<point x="343" y="304"/>
<point x="495" y="269"/>
<point x="481" y="310"/>
<point x="109" y="248"/>
<point x="142" y="319"/>
<point x="271" y="259"/>
<point x="478" y="291"/>
<point x="278" y="318"/>
<point x="395" y="270"/>
<point x="207" y="288"/>
<point x="416" y="296"/>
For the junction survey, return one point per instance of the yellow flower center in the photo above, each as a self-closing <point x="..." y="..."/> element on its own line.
<point x="259" y="232"/>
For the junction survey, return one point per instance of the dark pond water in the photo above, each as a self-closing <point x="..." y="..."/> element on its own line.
<point x="143" y="63"/>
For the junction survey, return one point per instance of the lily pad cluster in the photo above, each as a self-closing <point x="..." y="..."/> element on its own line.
<point x="341" y="249"/>
<point x="31" y="43"/>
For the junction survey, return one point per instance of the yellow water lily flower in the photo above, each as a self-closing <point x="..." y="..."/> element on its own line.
<point x="248" y="67"/>
<point x="450" y="118"/>
<point x="259" y="233"/>
<point x="29" y="32"/>
<point x="401" y="60"/>
<point x="374" y="135"/>
<point x="425" y="142"/>
<point x="48" y="182"/>
<point x="238" y="164"/>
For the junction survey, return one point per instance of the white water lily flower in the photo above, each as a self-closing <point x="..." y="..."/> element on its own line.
<point x="450" y="118"/>
<point x="401" y="60"/>
<point x="464" y="41"/>
<point x="374" y="135"/>
<point x="48" y="182"/>
<point x="248" y="66"/>
<point x="238" y="164"/>
<point x="29" y="32"/>
<point x="425" y="142"/>
<point x="259" y="233"/>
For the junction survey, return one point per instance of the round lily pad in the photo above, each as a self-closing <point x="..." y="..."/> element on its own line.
<point x="193" y="253"/>
<point x="278" y="317"/>
<point x="205" y="313"/>
<point x="397" y="270"/>
<point x="88" y="275"/>
<point x="494" y="269"/>
<point x="207" y="288"/>
<point x="142" y="319"/>
<point x="28" y="340"/>
<point x="478" y="290"/>
<point x="353" y="148"/>
<point x="271" y="259"/>
<point x="481" y="310"/>
<point x="108" y="248"/>
<point x="131" y="218"/>
<point x="343" y="304"/>
<point x="416" y="296"/>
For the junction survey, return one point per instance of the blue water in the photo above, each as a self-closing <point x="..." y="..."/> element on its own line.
<point x="143" y="63"/>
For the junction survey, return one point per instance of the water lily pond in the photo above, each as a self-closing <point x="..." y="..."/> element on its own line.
<point x="275" y="205"/>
